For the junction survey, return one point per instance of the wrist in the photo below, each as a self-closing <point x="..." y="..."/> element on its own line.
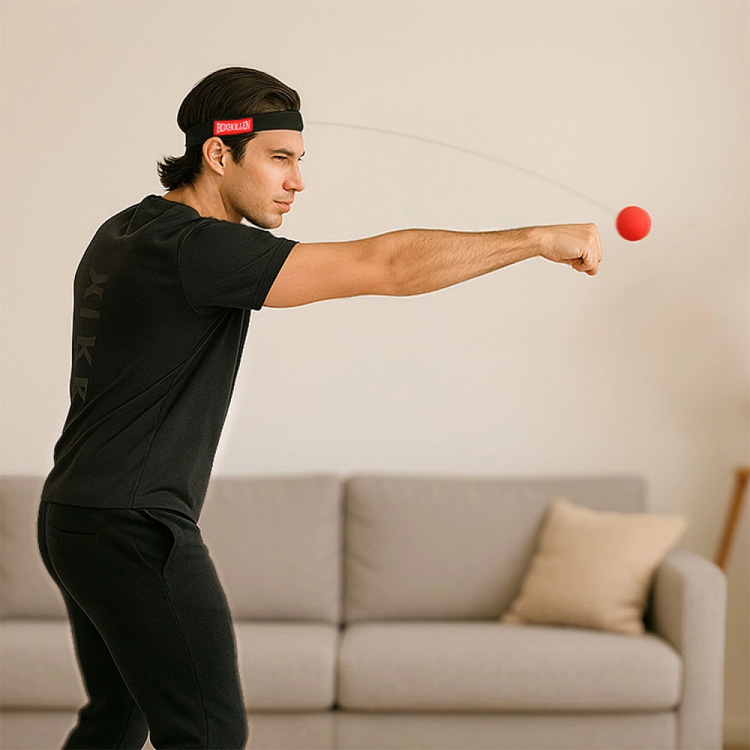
<point x="537" y="237"/>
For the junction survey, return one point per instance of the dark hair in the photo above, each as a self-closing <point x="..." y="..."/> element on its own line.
<point x="225" y="93"/>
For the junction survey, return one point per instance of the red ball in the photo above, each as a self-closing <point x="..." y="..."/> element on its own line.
<point x="633" y="223"/>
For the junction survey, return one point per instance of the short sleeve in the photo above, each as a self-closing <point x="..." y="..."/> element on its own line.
<point x="228" y="264"/>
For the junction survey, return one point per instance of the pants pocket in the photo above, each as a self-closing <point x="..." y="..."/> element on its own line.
<point x="72" y="559"/>
<point x="73" y="536"/>
<point x="158" y="544"/>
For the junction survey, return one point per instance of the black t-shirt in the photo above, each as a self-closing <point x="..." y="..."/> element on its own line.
<point x="162" y="306"/>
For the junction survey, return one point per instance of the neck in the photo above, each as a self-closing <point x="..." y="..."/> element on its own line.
<point x="205" y="205"/>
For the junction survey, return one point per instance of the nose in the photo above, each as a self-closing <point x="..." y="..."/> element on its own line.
<point x="295" y="182"/>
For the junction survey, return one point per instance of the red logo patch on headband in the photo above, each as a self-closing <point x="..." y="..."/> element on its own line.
<point x="233" y="127"/>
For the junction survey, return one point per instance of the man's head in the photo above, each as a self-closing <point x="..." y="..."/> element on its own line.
<point x="240" y="176"/>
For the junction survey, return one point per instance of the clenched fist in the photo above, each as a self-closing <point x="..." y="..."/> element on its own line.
<point x="578" y="245"/>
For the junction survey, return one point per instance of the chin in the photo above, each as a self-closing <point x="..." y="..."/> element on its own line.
<point x="269" y="223"/>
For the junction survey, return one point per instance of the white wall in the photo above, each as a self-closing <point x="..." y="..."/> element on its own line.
<point x="531" y="370"/>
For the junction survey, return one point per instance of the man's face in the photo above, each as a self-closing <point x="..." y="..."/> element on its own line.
<point x="268" y="173"/>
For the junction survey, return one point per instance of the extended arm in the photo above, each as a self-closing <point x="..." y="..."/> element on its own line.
<point x="415" y="261"/>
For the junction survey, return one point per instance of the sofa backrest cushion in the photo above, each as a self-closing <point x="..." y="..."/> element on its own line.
<point x="453" y="548"/>
<point x="26" y="589"/>
<point x="276" y="544"/>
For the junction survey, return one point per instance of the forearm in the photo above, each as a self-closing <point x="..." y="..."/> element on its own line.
<point x="424" y="260"/>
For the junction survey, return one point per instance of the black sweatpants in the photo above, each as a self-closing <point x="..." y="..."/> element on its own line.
<point x="151" y="625"/>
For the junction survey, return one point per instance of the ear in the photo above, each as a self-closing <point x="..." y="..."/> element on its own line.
<point x="215" y="153"/>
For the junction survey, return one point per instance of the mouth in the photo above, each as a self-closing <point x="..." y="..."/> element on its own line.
<point x="285" y="206"/>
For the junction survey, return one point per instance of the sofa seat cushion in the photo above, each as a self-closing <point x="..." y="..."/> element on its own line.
<point x="283" y="666"/>
<point x="486" y="666"/>
<point x="287" y="666"/>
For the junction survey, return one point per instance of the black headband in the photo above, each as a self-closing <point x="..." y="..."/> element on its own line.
<point x="289" y="119"/>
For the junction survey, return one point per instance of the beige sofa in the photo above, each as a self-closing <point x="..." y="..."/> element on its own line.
<point x="366" y="610"/>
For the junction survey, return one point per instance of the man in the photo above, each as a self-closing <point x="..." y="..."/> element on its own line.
<point x="162" y="303"/>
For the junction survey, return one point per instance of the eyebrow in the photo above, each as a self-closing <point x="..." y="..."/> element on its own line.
<point x="285" y="151"/>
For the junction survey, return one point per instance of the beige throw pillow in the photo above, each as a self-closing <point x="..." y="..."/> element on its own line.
<point x="594" y="568"/>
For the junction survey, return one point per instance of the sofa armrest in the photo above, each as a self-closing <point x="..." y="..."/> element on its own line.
<point x="688" y="609"/>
